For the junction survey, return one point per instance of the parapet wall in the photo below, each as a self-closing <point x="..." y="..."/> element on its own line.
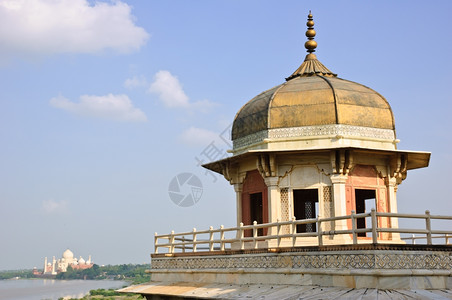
<point x="352" y="266"/>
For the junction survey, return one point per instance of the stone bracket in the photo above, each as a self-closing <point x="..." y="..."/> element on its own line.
<point x="266" y="165"/>
<point x="341" y="161"/>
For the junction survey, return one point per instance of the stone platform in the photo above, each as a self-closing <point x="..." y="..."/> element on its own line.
<point x="347" y="271"/>
<point x="351" y="266"/>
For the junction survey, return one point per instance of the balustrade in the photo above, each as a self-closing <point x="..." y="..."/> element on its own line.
<point x="222" y="238"/>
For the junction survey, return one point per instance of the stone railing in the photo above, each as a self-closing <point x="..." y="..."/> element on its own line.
<point x="284" y="234"/>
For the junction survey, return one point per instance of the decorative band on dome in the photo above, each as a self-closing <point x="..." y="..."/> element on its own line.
<point x="348" y="131"/>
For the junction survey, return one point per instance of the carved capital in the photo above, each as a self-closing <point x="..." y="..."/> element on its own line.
<point x="391" y="181"/>
<point x="271" y="181"/>
<point x="338" y="178"/>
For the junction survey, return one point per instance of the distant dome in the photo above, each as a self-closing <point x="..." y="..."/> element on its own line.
<point x="68" y="255"/>
<point x="81" y="261"/>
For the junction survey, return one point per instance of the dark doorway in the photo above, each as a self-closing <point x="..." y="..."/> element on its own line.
<point x="305" y="206"/>
<point x="256" y="210"/>
<point x="364" y="201"/>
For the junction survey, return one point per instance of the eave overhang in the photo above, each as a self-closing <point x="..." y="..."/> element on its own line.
<point x="415" y="159"/>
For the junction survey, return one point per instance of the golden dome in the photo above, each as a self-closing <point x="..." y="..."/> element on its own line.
<point x="314" y="100"/>
<point x="314" y="96"/>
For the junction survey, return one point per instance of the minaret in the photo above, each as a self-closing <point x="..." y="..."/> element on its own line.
<point x="45" y="266"/>
<point x="53" y="266"/>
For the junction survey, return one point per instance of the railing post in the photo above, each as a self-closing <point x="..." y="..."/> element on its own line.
<point x="221" y="238"/>
<point x="255" y="234"/>
<point x="373" y="215"/>
<point x="352" y="217"/>
<point x="278" y="229"/>
<point x="194" y="240"/>
<point x="428" y="226"/>
<point x="293" y="228"/>
<point x="241" y="235"/>
<point x="156" y="249"/>
<point x="413" y="240"/>
<point x="183" y="243"/>
<point x="211" y="238"/>
<point x="171" y="241"/>
<point x="319" y="231"/>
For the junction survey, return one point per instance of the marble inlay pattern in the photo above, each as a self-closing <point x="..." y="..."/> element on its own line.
<point x="311" y="131"/>
<point x="328" y="210"/>
<point x="250" y="139"/>
<point x="362" y="260"/>
<point x="285" y="210"/>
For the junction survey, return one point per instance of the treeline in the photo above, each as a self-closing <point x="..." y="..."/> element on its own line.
<point x="16" y="273"/>
<point x="129" y="272"/>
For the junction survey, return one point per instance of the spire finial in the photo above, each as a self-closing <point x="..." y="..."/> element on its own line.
<point x="310" y="45"/>
<point x="311" y="66"/>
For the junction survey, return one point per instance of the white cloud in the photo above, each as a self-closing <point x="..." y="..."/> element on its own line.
<point x="51" y="206"/>
<point x="112" y="107"/>
<point x="169" y="89"/>
<point x="135" y="82"/>
<point x="170" y="92"/>
<point x="194" y="136"/>
<point x="44" y="27"/>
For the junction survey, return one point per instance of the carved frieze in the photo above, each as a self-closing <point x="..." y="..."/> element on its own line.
<point x="351" y="260"/>
<point x="313" y="131"/>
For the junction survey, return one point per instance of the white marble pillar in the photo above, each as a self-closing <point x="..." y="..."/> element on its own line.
<point x="274" y="202"/>
<point x="238" y="188"/>
<point x="339" y="199"/>
<point x="392" y="198"/>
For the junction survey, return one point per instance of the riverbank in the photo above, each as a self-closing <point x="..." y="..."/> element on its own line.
<point x="110" y="294"/>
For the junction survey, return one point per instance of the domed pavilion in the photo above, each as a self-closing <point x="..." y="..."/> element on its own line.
<point x="315" y="168"/>
<point x="316" y="146"/>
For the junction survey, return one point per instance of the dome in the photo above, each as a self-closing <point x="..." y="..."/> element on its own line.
<point x="81" y="261"/>
<point x="311" y="101"/>
<point x="68" y="255"/>
<point x="314" y="102"/>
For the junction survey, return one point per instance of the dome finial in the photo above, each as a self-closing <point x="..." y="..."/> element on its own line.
<point x="310" y="45"/>
<point x="311" y="66"/>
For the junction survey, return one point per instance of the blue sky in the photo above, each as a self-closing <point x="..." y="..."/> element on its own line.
<point x="103" y="103"/>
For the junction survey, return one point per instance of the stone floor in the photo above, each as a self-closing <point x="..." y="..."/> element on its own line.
<point x="288" y="292"/>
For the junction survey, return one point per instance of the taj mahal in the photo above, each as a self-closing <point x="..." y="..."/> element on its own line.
<point x="67" y="259"/>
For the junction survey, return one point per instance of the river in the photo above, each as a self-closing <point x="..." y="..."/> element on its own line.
<point x="39" y="289"/>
